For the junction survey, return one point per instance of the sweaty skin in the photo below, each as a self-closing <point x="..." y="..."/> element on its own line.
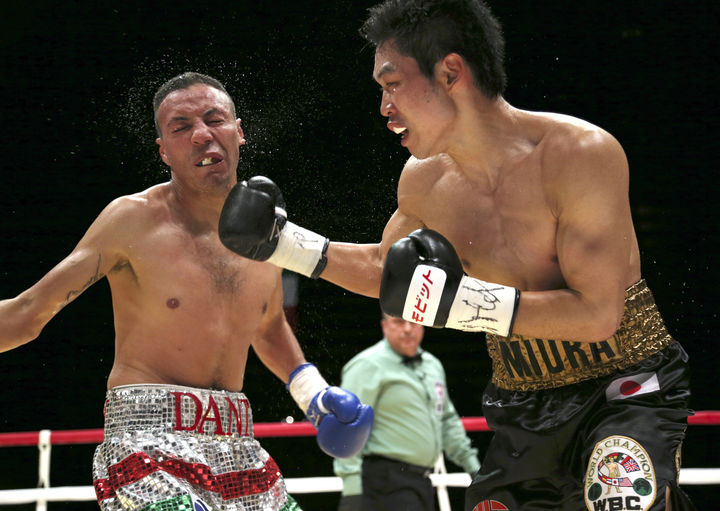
<point x="537" y="201"/>
<point x="186" y="309"/>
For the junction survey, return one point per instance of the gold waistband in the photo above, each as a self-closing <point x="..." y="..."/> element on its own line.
<point x="525" y="363"/>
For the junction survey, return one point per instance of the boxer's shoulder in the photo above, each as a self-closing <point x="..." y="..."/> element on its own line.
<point x="137" y="205"/>
<point x="420" y="176"/>
<point x="565" y="139"/>
<point x="130" y="218"/>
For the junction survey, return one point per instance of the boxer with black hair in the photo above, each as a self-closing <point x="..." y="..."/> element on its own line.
<point x="517" y="224"/>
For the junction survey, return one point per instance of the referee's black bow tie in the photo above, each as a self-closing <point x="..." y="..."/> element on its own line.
<point x="411" y="361"/>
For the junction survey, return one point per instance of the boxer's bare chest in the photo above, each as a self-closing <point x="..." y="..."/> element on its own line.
<point x="503" y="233"/>
<point x="172" y="268"/>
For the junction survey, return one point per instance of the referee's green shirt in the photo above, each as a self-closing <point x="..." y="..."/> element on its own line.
<point x="414" y="418"/>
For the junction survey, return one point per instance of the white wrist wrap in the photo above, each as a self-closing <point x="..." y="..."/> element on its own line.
<point x="305" y="385"/>
<point x="480" y="305"/>
<point x="298" y="249"/>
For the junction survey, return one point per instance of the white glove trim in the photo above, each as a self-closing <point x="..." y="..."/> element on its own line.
<point x="480" y="305"/>
<point x="306" y="385"/>
<point x="298" y="249"/>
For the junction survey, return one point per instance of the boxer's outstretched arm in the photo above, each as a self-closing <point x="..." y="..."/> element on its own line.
<point x="254" y="223"/>
<point x="354" y="267"/>
<point x="22" y="318"/>
<point x="358" y="267"/>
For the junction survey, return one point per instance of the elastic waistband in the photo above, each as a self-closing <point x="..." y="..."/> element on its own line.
<point x="524" y="363"/>
<point x="177" y="409"/>
<point x="406" y="467"/>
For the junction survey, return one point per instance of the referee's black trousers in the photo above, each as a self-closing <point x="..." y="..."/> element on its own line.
<point x="390" y="485"/>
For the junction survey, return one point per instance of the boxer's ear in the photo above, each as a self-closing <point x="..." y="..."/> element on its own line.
<point x="238" y="123"/>
<point x="161" y="150"/>
<point x="452" y="69"/>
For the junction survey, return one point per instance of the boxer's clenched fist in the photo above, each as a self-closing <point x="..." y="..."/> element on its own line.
<point x="253" y="223"/>
<point x="423" y="282"/>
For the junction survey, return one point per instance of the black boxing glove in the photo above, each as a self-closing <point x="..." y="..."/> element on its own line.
<point x="253" y="223"/>
<point x="423" y="282"/>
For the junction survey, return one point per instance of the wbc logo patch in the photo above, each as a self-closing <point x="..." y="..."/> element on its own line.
<point x="620" y="476"/>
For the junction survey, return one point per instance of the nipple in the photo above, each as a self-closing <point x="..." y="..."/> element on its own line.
<point x="173" y="303"/>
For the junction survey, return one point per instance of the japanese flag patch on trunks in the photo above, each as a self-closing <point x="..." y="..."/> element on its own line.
<point x="632" y="386"/>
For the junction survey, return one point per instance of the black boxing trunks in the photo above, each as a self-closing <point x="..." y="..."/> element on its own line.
<point x="587" y="428"/>
<point x="174" y="448"/>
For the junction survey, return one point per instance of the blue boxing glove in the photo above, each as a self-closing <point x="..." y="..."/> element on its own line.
<point x="343" y="423"/>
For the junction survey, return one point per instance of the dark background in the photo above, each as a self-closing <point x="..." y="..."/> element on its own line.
<point x="76" y="89"/>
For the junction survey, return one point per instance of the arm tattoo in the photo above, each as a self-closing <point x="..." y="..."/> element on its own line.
<point x="75" y="292"/>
